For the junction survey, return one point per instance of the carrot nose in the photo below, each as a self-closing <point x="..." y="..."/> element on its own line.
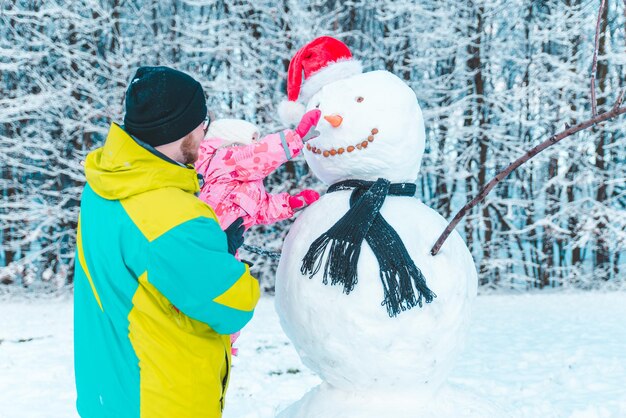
<point x="334" y="120"/>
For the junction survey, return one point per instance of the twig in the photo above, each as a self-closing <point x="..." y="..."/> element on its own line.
<point x="274" y="255"/>
<point x="614" y="112"/>
<point x="594" y="67"/>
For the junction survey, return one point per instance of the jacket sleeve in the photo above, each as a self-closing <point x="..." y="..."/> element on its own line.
<point x="258" y="160"/>
<point x="273" y="208"/>
<point x="191" y="267"/>
<point x="209" y="148"/>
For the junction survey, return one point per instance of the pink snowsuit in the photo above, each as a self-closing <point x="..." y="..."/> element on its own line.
<point x="233" y="178"/>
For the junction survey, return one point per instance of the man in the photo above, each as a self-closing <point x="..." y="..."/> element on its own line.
<point x="157" y="291"/>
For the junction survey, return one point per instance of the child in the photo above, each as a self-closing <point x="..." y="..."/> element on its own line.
<point x="234" y="161"/>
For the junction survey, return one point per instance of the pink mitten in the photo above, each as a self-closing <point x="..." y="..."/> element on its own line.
<point x="233" y="337"/>
<point x="304" y="198"/>
<point x="308" y="122"/>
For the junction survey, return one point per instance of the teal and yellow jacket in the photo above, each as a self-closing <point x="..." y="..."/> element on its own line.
<point x="156" y="292"/>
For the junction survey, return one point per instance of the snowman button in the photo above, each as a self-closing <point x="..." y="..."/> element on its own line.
<point x="350" y="148"/>
<point x="370" y="138"/>
<point x="318" y="151"/>
<point x="326" y="153"/>
<point x="333" y="152"/>
<point x="374" y="131"/>
<point x="308" y="146"/>
<point x="359" y="146"/>
<point x="340" y="151"/>
<point x="364" y="144"/>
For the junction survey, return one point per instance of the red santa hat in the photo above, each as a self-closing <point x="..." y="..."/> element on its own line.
<point x="323" y="60"/>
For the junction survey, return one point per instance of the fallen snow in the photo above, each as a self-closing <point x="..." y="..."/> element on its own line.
<point x="545" y="355"/>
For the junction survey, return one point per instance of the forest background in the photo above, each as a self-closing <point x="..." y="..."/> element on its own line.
<point x="493" y="77"/>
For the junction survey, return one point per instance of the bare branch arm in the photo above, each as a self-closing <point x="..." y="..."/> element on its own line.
<point x="614" y="112"/>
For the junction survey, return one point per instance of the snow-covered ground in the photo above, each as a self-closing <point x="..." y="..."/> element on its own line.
<point x="546" y="355"/>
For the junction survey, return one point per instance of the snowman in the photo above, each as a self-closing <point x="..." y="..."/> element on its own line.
<point x="366" y="306"/>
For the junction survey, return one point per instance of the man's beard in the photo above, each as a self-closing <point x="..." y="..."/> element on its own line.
<point x="189" y="150"/>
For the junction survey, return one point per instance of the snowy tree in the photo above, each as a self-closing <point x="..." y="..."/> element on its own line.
<point x="494" y="79"/>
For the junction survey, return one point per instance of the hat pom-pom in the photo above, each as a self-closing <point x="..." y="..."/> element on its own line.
<point x="290" y="112"/>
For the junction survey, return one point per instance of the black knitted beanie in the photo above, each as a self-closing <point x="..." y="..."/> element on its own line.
<point x="163" y="105"/>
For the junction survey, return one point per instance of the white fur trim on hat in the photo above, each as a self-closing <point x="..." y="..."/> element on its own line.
<point x="290" y="113"/>
<point x="233" y="131"/>
<point x="334" y="71"/>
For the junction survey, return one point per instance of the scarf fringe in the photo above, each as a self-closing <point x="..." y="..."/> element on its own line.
<point x="341" y="262"/>
<point x="404" y="283"/>
<point x="405" y="288"/>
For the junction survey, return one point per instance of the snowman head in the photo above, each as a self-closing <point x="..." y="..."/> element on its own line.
<point x="371" y="127"/>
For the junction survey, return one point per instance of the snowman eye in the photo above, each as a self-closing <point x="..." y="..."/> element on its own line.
<point x="359" y="99"/>
<point x="317" y="106"/>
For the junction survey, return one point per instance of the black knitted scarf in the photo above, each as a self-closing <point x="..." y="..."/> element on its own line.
<point x="404" y="284"/>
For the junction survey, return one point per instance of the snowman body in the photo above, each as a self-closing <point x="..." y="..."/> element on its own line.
<point x="372" y="128"/>
<point x="350" y="340"/>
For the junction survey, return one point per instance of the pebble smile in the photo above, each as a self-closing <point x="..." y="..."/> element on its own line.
<point x="332" y="152"/>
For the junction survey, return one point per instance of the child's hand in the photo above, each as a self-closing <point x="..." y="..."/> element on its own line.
<point x="304" y="198"/>
<point x="306" y="127"/>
